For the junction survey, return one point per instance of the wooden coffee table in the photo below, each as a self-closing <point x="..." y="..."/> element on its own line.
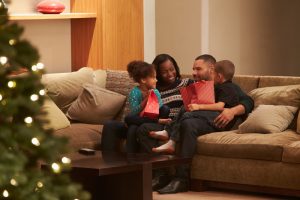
<point x="116" y="176"/>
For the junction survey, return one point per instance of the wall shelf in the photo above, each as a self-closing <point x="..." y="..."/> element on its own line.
<point x="37" y="16"/>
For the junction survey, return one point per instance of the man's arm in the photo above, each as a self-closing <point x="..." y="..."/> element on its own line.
<point x="245" y="107"/>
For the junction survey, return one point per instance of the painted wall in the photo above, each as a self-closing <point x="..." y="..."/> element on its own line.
<point x="149" y="30"/>
<point x="260" y="36"/>
<point x="51" y="37"/>
<point x="178" y="30"/>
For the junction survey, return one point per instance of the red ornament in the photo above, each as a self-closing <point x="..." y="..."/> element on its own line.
<point x="50" y="7"/>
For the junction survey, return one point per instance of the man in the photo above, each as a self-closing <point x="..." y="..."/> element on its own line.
<point x="203" y="69"/>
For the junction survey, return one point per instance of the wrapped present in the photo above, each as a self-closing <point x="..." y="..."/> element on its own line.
<point x="151" y="109"/>
<point x="201" y="92"/>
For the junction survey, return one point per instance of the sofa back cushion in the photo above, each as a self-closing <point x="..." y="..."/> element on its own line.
<point x="64" y="88"/>
<point x="247" y="83"/>
<point x="120" y="82"/>
<point x="268" y="81"/>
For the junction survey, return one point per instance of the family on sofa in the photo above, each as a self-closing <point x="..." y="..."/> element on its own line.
<point x="175" y="124"/>
<point x="260" y="153"/>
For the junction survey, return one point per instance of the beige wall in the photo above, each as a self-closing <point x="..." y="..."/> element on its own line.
<point x="178" y="30"/>
<point x="260" y="36"/>
<point x="149" y="30"/>
<point x="51" y="37"/>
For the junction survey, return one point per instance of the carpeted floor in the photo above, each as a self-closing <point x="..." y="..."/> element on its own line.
<point x="214" y="195"/>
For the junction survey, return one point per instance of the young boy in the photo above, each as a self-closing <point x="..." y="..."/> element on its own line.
<point x="226" y="97"/>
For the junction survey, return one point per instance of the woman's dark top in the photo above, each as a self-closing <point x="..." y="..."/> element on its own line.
<point x="171" y="96"/>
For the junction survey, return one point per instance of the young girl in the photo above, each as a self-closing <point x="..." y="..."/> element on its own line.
<point x="145" y="75"/>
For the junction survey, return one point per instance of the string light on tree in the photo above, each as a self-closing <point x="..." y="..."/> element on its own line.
<point x="12" y="42"/>
<point x="34" y="97"/>
<point x="11" y="84"/>
<point x="34" y="68"/>
<point x="3" y="60"/>
<point x="42" y="92"/>
<point x="28" y="120"/>
<point x="35" y="142"/>
<point x="13" y="182"/>
<point x="1" y="97"/>
<point x="40" y="66"/>
<point x="66" y="160"/>
<point x="40" y="184"/>
<point x="55" y="167"/>
<point x="5" y="194"/>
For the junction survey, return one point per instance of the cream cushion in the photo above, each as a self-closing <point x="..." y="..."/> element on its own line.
<point x="278" y="95"/>
<point x="54" y="117"/>
<point x="268" y="119"/>
<point x="64" y="88"/>
<point x="100" y="77"/>
<point x="95" y="105"/>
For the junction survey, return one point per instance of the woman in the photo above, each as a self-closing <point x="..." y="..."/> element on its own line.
<point x="168" y="84"/>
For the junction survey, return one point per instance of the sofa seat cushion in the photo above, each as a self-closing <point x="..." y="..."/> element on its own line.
<point x="82" y="135"/>
<point x="291" y="152"/>
<point x="231" y="144"/>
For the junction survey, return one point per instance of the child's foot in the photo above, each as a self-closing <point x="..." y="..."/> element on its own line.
<point x="161" y="135"/>
<point x="168" y="147"/>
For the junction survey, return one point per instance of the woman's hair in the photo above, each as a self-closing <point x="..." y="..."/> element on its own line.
<point x="139" y="69"/>
<point x="161" y="58"/>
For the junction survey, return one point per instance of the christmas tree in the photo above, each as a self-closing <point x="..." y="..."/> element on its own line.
<point x="24" y="143"/>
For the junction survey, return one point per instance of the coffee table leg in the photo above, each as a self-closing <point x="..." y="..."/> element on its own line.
<point x="147" y="181"/>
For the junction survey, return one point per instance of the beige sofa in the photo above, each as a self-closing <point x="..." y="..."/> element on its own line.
<point x="251" y="161"/>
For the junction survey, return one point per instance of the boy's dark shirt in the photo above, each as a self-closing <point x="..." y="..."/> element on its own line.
<point x="232" y="95"/>
<point x="227" y="93"/>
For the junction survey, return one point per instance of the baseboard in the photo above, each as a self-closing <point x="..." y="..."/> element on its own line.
<point x="202" y="185"/>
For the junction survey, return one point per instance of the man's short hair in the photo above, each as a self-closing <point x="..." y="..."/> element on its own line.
<point x="207" y="58"/>
<point x="226" y="68"/>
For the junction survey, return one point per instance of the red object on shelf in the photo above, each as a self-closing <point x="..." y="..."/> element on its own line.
<point x="50" y="7"/>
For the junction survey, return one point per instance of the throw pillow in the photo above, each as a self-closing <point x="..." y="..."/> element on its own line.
<point x="95" y="105"/>
<point x="54" y="117"/>
<point x="268" y="119"/>
<point x="120" y="82"/>
<point x="279" y="95"/>
<point x="64" y="88"/>
<point x="100" y="77"/>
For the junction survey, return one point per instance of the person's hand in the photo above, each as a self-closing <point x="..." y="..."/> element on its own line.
<point x="165" y="121"/>
<point x="193" y="107"/>
<point x="224" y="118"/>
<point x="146" y="94"/>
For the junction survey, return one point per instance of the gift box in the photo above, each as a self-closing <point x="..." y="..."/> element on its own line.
<point x="201" y="92"/>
